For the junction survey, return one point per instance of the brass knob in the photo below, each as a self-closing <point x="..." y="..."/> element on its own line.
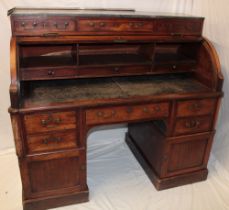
<point x="195" y="106"/>
<point x="139" y="24"/>
<point x="34" y="24"/>
<point x="92" y="24"/>
<point x="44" y="122"/>
<point x="157" y="108"/>
<point x="55" y="24"/>
<point x="66" y="24"/>
<point x="23" y="24"/>
<point x="192" y="124"/>
<point x="102" y="24"/>
<point x="174" y="67"/>
<point x="99" y="114"/>
<point x="145" y="109"/>
<point x="57" y="120"/>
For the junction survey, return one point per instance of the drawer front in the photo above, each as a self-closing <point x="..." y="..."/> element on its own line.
<point x="52" y="141"/>
<point x="178" y="26"/>
<point x="193" y="125"/>
<point x="36" y="123"/>
<point x="174" y="67"/>
<point x="124" y="113"/>
<point x="37" y="25"/>
<point x="113" y="70"/>
<point x="196" y="107"/>
<point x="103" y="25"/>
<point x="38" y="74"/>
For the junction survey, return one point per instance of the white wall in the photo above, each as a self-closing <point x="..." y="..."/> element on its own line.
<point x="215" y="28"/>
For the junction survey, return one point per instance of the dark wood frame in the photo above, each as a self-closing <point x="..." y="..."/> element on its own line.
<point x="188" y="131"/>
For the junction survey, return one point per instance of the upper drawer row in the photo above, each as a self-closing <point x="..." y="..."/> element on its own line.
<point x="68" y="25"/>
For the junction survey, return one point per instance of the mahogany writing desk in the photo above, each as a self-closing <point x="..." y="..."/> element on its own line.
<point x="72" y="70"/>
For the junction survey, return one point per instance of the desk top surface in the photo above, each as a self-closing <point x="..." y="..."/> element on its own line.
<point x="65" y="91"/>
<point x="125" y="13"/>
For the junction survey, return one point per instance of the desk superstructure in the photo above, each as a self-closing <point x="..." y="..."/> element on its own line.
<point x="72" y="70"/>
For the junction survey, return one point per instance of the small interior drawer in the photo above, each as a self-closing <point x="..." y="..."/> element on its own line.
<point x="36" y="123"/>
<point x="124" y="113"/>
<point x="113" y="70"/>
<point x="193" y="125"/>
<point x="52" y="141"/>
<point x="175" y="67"/>
<point x="196" y="107"/>
<point x="48" y="73"/>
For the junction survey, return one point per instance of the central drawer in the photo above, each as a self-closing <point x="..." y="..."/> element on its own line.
<point x="126" y="113"/>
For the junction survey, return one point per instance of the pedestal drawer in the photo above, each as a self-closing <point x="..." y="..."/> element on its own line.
<point x="36" y="123"/>
<point x="52" y="141"/>
<point x="193" y="125"/>
<point x="195" y="107"/>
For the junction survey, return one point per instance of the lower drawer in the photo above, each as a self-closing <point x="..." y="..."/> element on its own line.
<point x="193" y="125"/>
<point x="52" y="141"/>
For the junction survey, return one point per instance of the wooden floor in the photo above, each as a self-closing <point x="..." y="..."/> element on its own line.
<point x="118" y="187"/>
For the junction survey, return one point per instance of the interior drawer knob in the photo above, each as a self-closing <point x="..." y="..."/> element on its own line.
<point x="51" y="73"/>
<point x="116" y="69"/>
<point x="174" y="67"/>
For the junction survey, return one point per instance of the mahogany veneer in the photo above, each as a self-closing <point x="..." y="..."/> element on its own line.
<point x="72" y="70"/>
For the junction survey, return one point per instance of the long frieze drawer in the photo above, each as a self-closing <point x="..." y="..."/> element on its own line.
<point x="39" y="25"/>
<point x="178" y="26"/>
<point x="52" y="141"/>
<point x="104" y="25"/>
<point x="36" y="123"/>
<point x="196" y="107"/>
<point x="125" y="113"/>
<point x="193" y="125"/>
